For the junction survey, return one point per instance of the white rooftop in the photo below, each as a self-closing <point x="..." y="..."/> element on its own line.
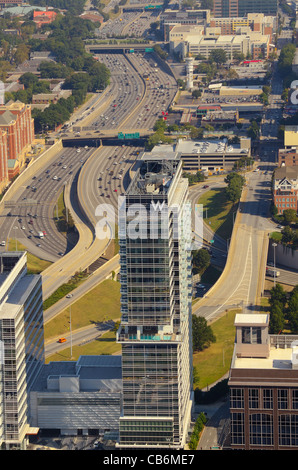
<point x="251" y="319"/>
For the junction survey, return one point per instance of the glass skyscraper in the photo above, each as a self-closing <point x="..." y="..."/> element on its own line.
<point x="155" y="330"/>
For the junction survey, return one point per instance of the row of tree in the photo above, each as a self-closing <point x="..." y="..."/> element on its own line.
<point x="283" y="310"/>
<point x="235" y="183"/>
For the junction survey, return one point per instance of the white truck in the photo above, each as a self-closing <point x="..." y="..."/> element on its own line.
<point x="272" y="273"/>
<point x="40" y="234"/>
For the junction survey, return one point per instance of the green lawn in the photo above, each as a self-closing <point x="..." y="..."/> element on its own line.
<point x="218" y="212"/>
<point x="34" y="265"/>
<point x="276" y="236"/>
<point x="100" y="304"/>
<point x="214" y="362"/>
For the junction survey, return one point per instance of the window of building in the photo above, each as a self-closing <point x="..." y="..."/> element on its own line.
<point x="282" y="399"/>
<point x="237" y="398"/>
<point x="253" y="394"/>
<point x="295" y="399"/>
<point x="268" y="399"/>
<point x="288" y="430"/>
<point x="261" y="429"/>
<point x="237" y="428"/>
<point x="251" y="335"/>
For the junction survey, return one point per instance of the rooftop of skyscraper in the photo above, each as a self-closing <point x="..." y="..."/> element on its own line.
<point x="155" y="173"/>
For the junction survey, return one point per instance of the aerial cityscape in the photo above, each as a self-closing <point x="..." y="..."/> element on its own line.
<point x="149" y="227"/>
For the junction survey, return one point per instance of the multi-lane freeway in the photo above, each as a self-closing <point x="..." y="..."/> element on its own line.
<point x="34" y="208"/>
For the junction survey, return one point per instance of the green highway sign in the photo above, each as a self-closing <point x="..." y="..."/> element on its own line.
<point x="133" y="135"/>
<point x="149" y="49"/>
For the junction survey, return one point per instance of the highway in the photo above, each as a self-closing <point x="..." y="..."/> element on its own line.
<point x="239" y="285"/>
<point x="34" y="207"/>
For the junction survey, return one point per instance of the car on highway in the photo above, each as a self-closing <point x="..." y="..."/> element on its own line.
<point x="3" y="243"/>
<point x="68" y="296"/>
<point x="61" y="340"/>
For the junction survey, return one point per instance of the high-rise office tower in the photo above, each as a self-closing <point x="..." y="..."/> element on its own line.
<point x="155" y="330"/>
<point x="240" y="8"/>
<point x="21" y="346"/>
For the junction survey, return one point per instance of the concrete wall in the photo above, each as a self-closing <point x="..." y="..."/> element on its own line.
<point x="283" y="255"/>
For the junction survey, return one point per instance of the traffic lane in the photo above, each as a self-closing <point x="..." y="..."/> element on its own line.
<point x="287" y="276"/>
<point x="77" y="337"/>
<point x="47" y="190"/>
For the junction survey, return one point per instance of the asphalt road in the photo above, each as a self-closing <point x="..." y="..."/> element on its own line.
<point x="238" y="285"/>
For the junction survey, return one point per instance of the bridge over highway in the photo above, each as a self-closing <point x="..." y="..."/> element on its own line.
<point x="121" y="48"/>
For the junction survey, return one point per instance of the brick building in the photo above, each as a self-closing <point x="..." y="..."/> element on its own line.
<point x="287" y="157"/>
<point x="16" y="121"/>
<point x="3" y="160"/>
<point x="285" y="188"/>
<point x="263" y="385"/>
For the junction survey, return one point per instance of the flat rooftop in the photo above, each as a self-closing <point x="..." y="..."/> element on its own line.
<point x="279" y="358"/>
<point x="207" y="147"/>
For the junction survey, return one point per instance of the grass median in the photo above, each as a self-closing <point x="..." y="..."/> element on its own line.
<point x="218" y="212"/>
<point x="214" y="362"/>
<point x="102" y="303"/>
<point x="35" y="265"/>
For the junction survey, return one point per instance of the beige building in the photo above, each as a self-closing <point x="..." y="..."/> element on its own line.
<point x="187" y="41"/>
<point x="291" y="136"/>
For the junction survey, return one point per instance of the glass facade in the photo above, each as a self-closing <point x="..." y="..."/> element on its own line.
<point x="155" y="329"/>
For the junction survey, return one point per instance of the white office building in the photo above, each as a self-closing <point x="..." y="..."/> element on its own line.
<point x="22" y="346"/>
<point x="78" y="397"/>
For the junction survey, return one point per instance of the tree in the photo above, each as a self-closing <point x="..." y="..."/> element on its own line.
<point x="278" y="295"/>
<point x="219" y="56"/>
<point x="196" y="94"/>
<point x="277" y="320"/>
<point x="201" y="261"/>
<point x="202" y="333"/>
<point x="253" y="131"/>
<point x="289" y="216"/>
<point x="235" y="185"/>
<point x="293" y="311"/>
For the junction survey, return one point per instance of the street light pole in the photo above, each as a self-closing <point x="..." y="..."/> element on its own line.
<point x="70" y="332"/>
<point x="274" y="246"/>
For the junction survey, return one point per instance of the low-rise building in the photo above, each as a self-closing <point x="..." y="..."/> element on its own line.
<point x="285" y="188"/>
<point x="291" y="137"/>
<point x="41" y="18"/>
<point x="288" y="157"/>
<point x="78" y="397"/>
<point x="220" y="117"/>
<point x="263" y="383"/>
<point x="212" y="155"/>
